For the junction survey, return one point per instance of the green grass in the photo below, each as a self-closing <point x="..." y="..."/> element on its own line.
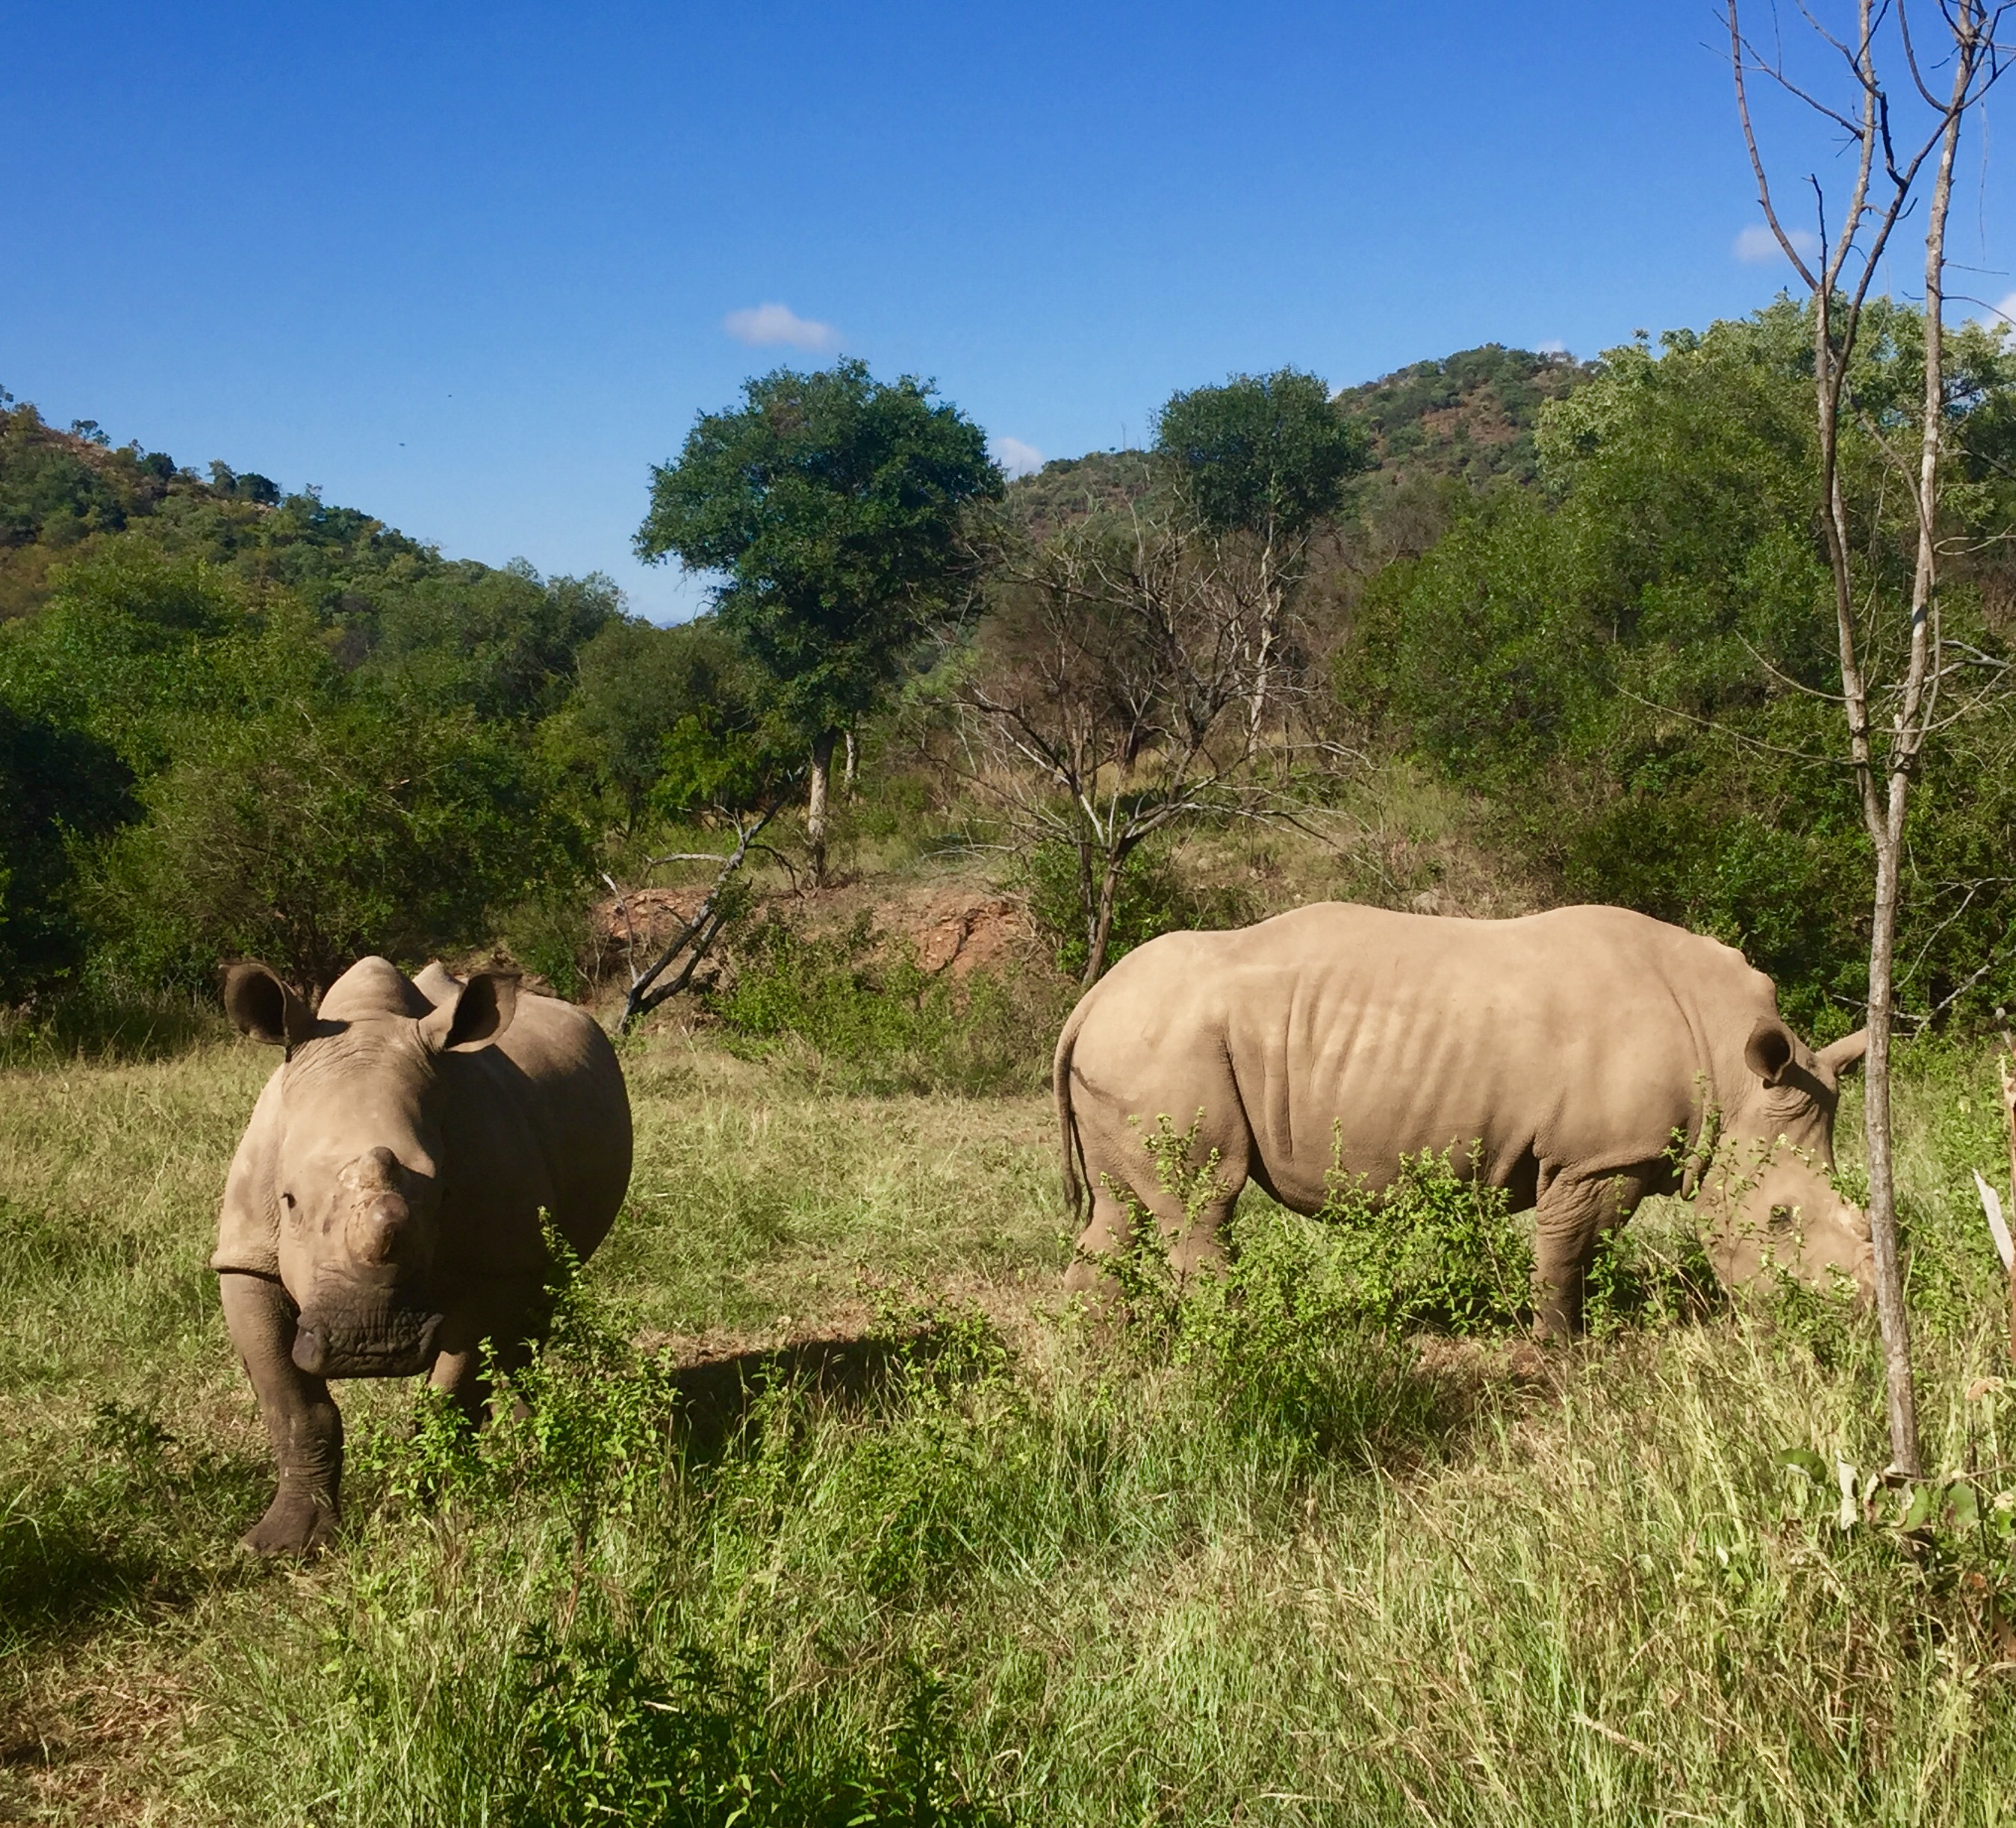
<point x="1002" y="1567"/>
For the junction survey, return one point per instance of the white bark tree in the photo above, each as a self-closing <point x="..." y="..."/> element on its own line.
<point x="1893" y="661"/>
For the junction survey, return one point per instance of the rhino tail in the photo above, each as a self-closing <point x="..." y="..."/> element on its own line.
<point x="1067" y="1124"/>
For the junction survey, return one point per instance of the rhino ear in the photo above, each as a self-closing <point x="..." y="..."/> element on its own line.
<point x="260" y="1006"/>
<point x="1769" y="1051"/>
<point x="436" y="983"/>
<point x="470" y="1021"/>
<point x="1838" y="1056"/>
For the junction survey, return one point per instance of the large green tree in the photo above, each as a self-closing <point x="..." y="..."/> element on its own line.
<point x="1262" y="457"/>
<point x="834" y="506"/>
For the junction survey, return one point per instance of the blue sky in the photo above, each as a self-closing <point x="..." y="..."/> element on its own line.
<point x="474" y="270"/>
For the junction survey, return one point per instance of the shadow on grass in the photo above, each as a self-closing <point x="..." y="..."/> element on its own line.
<point x="116" y="1535"/>
<point x="106" y="1030"/>
<point x="716" y="1395"/>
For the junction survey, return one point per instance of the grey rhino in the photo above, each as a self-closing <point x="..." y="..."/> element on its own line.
<point x="1566" y="1049"/>
<point x="381" y="1216"/>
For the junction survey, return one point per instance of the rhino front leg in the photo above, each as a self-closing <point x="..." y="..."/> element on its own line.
<point x="302" y="1420"/>
<point x="1571" y="1215"/>
<point x="506" y="1312"/>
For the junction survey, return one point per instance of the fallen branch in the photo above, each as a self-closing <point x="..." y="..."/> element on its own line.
<point x="651" y="986"/>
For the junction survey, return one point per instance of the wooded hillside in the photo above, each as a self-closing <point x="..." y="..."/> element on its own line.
<point x="1584" y="599"/>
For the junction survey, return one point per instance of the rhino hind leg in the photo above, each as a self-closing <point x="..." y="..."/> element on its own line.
<point x="1573" y="1212"/>
<point x="1195" y="1242"/>
<point x="302" y="1421"/>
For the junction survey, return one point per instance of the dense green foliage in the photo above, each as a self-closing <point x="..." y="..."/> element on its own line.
<point x="678" y="720"/>
<point x="235" y="721"/>
<point x="270" y="800"/>
<point x="1589" y="595"/>
<point x="1634" y="665"/>
<point x="836" y="504"/>
<point x="1267" y="455"/>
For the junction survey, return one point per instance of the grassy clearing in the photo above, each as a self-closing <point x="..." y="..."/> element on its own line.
<point x="1004" y="1569"/>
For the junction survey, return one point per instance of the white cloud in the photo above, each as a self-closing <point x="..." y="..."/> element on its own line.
<point x="2003" y="316"/>
<point x="1758" y="245"/>
<point x="1553" y="346"/>
<point x="758" y="325"/>
<point x="1015" y="457"/>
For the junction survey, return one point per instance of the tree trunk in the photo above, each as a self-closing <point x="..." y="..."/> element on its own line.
<point x="1891" y="1313"/>
<point x="1886" y="820"/>
<point x="1271" y="604"/>
<point x="1102" y="930"/>
<point x="849" y="767"/>
<point x="815" y="797"/>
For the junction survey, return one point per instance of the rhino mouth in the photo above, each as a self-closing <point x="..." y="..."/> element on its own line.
<point x="392" y="1342"/>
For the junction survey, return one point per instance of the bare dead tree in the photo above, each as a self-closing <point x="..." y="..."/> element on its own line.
<point x="653" y="980"/>
<point x="1108" y="696"/>
<point x="1891" y="710"/>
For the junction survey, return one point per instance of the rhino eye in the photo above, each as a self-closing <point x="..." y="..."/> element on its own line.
<point x="1781" y="1218"/>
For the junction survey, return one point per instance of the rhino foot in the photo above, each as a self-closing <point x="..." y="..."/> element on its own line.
<point x="296" y="1523"/>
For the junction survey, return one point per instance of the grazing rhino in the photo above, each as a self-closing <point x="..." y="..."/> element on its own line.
<point x="381" y="1216"/>
<point x="1567" y="1050"/>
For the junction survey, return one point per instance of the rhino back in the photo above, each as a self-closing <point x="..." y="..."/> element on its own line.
<point x="542" y="1119"/>
<point x="1568" y="1040"/>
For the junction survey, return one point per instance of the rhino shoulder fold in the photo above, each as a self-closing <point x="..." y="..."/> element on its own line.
<point x="248" y="1222"/>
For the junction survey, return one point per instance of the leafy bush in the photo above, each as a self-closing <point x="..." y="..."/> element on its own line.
<point x="311" y="837"/>
<point x="1302" y="1329"/>
<point x="1638" y="666"/>
<point x="1155" y="898"/>
<point x="865" y="1005"/>
<point x="549" y="933"/>
<point x="1640" y="1277"/>
<point x="1437" y="1250"/>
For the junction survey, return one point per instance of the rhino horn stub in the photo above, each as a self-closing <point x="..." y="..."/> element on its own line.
<point x="378" y="1227"/>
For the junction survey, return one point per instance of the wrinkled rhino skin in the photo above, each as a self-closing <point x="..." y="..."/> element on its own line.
<point x="1566" y="1049"/>
<point x="382" y="1214"/>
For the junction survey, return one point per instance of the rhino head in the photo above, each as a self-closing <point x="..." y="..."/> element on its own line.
<point x="1769" y="1199"/>
<point x="357" y="1153"/>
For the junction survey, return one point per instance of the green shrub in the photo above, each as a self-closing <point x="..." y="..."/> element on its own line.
<point x="1435" y="1251"/>
<point x="1643" y="1276"/>
<point x="1154" y="899"/>
<point x="549" y="933"/>
<point x="866" y="1006"/>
